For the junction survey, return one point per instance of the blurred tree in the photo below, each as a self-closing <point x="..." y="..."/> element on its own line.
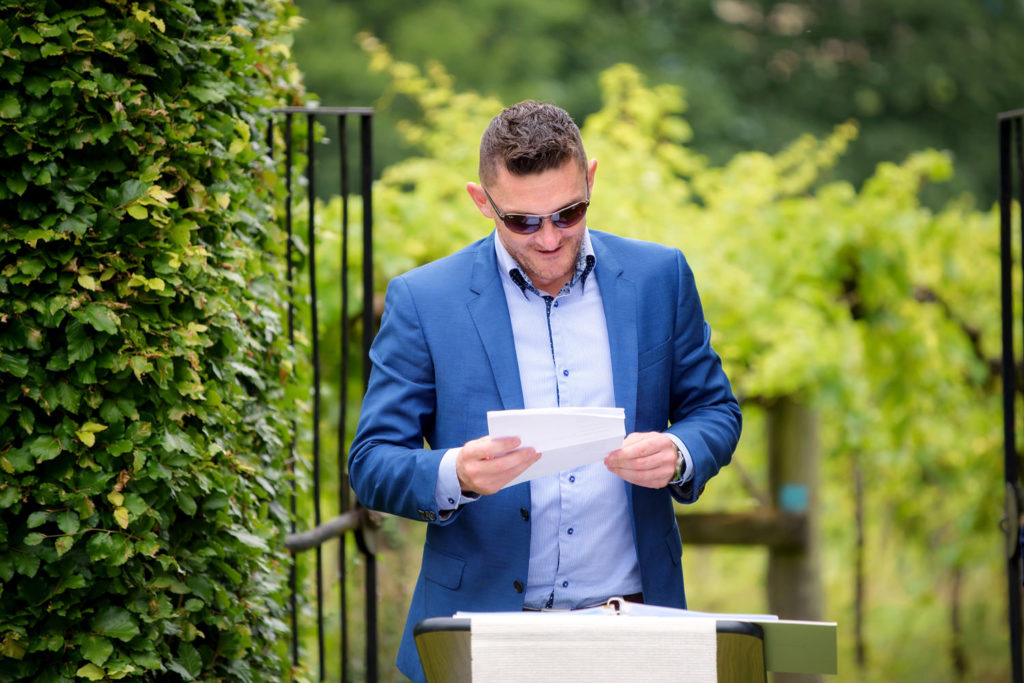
<point x="758" y="73"/>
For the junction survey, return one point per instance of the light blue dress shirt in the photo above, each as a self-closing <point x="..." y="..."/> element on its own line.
<point x="581" y="541"/>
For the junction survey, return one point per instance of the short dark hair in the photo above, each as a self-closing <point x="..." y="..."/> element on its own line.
<point x="530" y="137"/>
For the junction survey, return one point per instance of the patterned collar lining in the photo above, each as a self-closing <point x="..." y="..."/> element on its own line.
<point x="585" y="262"/>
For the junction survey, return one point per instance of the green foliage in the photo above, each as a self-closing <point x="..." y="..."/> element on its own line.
<point x="141" y="426"/>
<point x="759" y="73"/>
<point x="877" y="310"/>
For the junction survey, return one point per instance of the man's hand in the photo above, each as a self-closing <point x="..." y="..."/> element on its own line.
<point x="485" y="465"/>
<point x="645" y="459"/>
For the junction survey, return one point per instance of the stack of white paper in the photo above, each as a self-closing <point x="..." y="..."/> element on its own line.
<point x="566" y="437"/>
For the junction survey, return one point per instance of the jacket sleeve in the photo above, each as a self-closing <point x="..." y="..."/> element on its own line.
<point x="390" y="469"/>
<point x="704" y="413"/>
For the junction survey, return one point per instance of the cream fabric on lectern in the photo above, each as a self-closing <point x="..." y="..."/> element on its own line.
<point x="536" y="647"/>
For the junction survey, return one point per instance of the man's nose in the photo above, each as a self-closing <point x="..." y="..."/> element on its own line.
<point x="547" y="236"/>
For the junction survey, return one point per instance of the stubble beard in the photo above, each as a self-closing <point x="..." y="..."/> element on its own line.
<point x="568" y="275"/>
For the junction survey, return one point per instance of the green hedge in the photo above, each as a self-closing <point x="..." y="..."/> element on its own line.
<point x="141" y="424"/>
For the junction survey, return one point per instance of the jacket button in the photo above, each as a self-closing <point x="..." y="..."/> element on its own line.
<point x="517" y="586"/>
<point x="525" y="513"/>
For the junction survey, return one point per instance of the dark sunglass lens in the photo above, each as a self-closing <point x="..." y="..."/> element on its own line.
<point x="570" y="215"/>
<point x="523" y="224"/>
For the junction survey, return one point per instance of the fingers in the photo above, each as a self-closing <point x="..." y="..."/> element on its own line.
<point x="645" y="459"/>
<point x="485" y="465"/>
<point x="486" y="447"/>
<point x="636" y="437"/>
<point x="642" y="451"/>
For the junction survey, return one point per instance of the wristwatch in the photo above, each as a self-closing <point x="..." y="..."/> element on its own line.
<point x="680" y="464"/>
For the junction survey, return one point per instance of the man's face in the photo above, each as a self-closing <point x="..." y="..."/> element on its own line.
<point x="547" y="256"/>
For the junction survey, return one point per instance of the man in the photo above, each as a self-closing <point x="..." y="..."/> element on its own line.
<point x="547" y="314"/>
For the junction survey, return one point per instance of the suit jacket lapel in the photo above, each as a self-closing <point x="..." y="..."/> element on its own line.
<point x="618" y="295"/>
<point x="489" y="311"/>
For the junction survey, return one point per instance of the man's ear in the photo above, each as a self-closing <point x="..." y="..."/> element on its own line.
<point x="476" y="193"/>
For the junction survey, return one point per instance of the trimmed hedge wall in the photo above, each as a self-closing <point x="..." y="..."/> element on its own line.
<point x="141" y="420"/>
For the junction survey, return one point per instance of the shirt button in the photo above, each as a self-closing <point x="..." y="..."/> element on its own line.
<point x="517" y="586"/>
<point x="572" y="478"/>
<point x="565" y="584"/>
<point x="570" y="531"/>
<point x="451" y="501"/>
<point x="565" y="373"/>
<point x="525" y="513"/>
<point x="556" y="304"/>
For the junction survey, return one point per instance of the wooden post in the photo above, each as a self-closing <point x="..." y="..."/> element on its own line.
<point x="794" y="572"/>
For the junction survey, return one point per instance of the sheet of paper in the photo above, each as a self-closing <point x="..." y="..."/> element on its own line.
<point x="566" y="437"/>
<point x="553" y="648"/>
<point x="619" y="607"/>
<point x="789" y="646"/>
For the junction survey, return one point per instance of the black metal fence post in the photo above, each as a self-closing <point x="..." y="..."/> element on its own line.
<point x="351" y="518"/>
<point x="366" y="138"/>
<point x="1010" y="150"/>
<point x="344" y="497"/>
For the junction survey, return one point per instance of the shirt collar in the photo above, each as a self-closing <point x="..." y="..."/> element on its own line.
<point x="585" y="263"/>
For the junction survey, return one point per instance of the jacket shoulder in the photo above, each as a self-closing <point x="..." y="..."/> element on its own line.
<point x="636" y="255"/>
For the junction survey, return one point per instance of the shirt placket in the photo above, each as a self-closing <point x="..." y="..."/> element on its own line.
<point x="569" y="530"/>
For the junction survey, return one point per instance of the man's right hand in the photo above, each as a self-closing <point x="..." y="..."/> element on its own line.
<point x="485" y="465"/>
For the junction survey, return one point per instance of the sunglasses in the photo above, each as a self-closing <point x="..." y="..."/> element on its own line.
<point x="527" y="224"/>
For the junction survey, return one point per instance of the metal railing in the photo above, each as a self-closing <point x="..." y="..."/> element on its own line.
<point x="1011" y="156"/>
<point x="351" y="518"/>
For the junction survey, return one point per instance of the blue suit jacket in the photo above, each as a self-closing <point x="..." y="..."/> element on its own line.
<point x="445" y="355"/>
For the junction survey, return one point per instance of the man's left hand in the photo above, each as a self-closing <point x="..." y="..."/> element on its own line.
<point x="645" y="459"/>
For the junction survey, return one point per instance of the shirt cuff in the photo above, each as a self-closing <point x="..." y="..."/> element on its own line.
<point x="447" y="493"/>
<point x="687" y="460"/>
